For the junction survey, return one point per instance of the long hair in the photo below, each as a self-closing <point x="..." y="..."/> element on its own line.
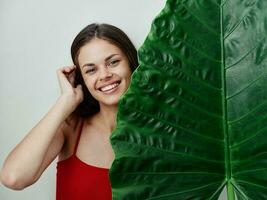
<point x="90" y="106"/>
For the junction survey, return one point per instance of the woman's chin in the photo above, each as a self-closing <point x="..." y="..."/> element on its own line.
<point x="109" y="103"/>
<point x="108" y="100"/>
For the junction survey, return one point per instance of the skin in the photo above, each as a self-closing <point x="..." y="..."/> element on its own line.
<point x="53" y="137"/>
<point x="97" y="72"/>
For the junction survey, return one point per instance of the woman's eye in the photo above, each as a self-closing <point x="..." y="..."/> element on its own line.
<point x="89" y="70"/>
<point x="113" y="62"/>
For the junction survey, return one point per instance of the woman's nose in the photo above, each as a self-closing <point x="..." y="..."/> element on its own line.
<point x="105" y="73"/>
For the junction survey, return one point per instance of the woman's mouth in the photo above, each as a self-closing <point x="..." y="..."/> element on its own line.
<point x="110" y="88"/>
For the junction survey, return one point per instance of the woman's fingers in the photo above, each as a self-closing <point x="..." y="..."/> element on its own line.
<point x="71" y="77"/>
<point x="65" y="78"/>
<point x="71" y="74"/>
<point x="61" y="75"/>
<point x="68" y="69"/>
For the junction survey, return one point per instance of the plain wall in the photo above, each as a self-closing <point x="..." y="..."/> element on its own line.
<point x="35" y="38"/>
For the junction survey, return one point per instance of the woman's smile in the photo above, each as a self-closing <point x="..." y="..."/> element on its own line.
<point x="111" y="88"/>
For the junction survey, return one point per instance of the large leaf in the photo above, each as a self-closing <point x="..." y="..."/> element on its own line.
<point x="194" y="118"/>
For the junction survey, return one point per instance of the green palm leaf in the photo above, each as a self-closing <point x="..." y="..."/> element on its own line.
<point x="194" y="118"/>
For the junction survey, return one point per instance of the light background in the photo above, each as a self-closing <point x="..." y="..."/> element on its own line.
<point x="35" y="38"/>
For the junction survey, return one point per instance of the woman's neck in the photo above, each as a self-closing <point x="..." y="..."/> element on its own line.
<point x="106" y="117"/>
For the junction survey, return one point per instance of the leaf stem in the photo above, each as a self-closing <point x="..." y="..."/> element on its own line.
<point x="230" y="191"/>
<point x="227" y="153"/>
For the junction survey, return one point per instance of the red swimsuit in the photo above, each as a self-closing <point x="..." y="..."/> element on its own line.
<point x="77" y="180"/>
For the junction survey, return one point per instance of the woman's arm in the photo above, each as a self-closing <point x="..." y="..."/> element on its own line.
<point x="27" y="161"/>
<point x="22" y="166"/>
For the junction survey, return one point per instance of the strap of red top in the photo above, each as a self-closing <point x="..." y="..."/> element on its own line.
<point x="78" y="139"/>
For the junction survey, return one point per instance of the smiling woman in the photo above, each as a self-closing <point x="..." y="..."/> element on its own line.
<point x="109" y="61"/>
<point x="78" y="127"/>
<point x="110" y="52"/>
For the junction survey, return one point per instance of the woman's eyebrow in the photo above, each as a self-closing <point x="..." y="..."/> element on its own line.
<point x="106" y="59"/>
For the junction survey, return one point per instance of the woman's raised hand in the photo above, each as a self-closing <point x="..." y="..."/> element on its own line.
<point x="73" y="95"/>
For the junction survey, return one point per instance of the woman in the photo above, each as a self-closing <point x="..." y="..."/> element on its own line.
<point x="78" y="127"/>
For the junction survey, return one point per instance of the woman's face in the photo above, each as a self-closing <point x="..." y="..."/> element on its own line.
<point x="105" y="69"/>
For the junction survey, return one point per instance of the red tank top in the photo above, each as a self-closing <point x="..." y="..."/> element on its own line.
<point x="77" y="180"/>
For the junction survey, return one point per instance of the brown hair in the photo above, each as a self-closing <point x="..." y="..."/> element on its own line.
<point x="89" y="106"/>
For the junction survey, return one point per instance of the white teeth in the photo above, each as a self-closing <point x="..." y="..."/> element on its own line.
<point x="109" y="87"/>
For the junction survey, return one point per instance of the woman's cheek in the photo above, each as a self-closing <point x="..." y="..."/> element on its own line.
<point x="89" y="85"/>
